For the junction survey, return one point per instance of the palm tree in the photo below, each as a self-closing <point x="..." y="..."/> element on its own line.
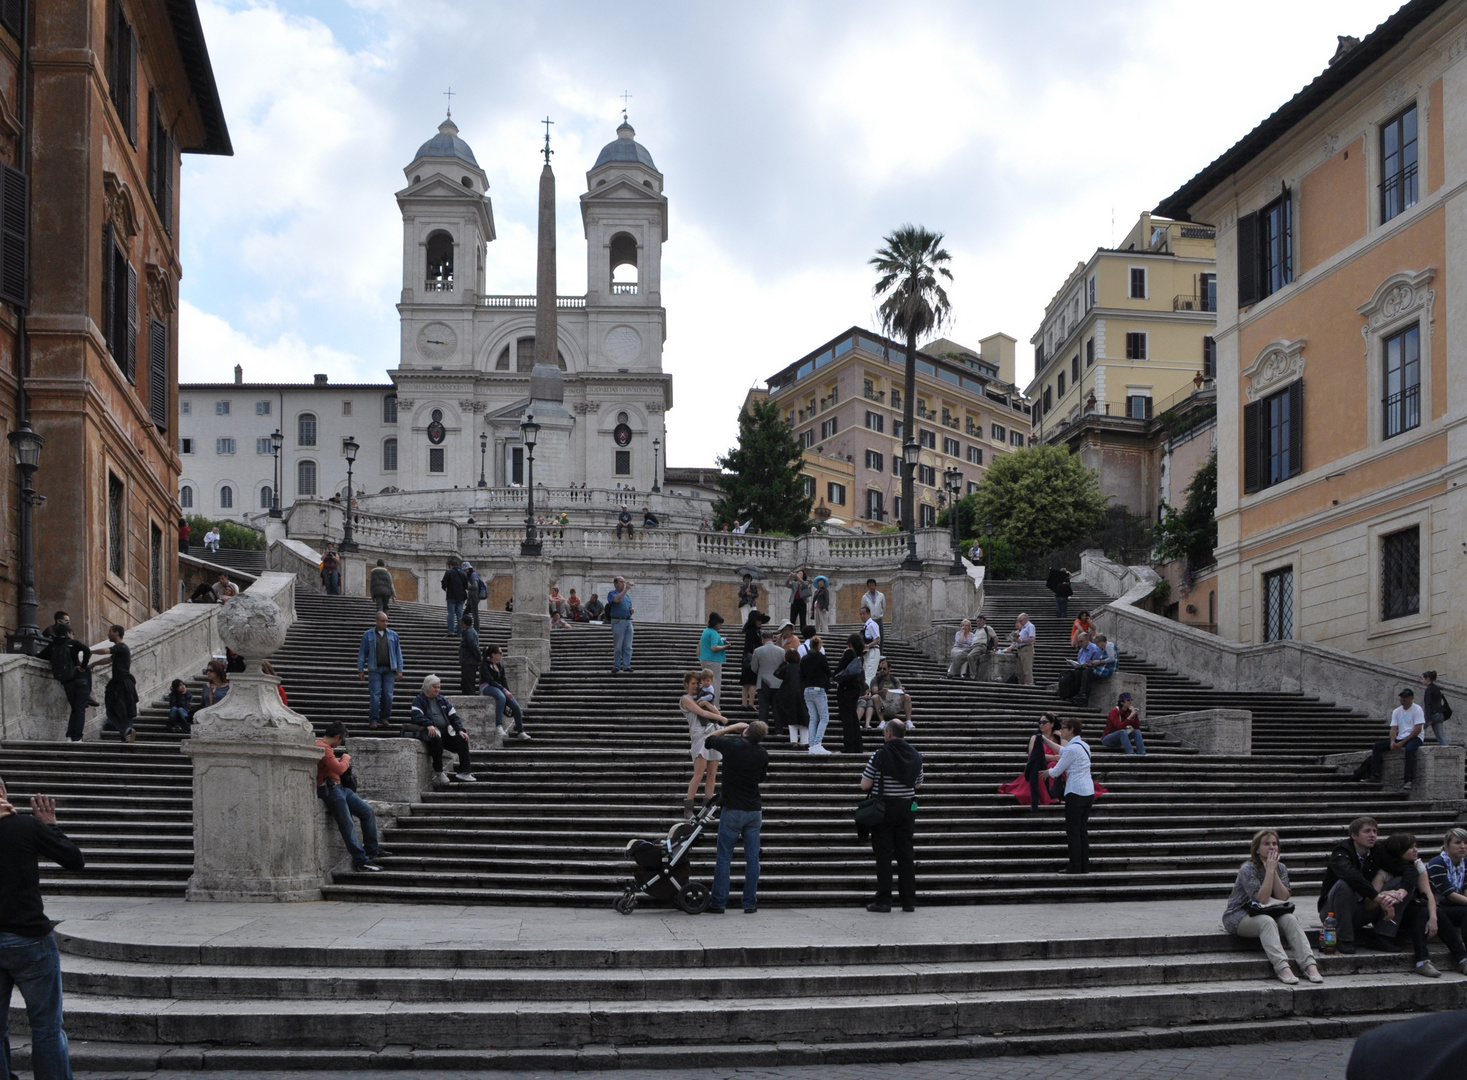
<point x="912" y="303"/>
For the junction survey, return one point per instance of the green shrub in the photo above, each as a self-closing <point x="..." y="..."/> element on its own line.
<point x="234" y="536"/>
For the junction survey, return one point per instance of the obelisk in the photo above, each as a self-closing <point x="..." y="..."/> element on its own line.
<point x="545" y="330"/>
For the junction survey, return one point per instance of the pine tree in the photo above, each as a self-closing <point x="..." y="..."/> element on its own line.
<point x="761" y="476"/>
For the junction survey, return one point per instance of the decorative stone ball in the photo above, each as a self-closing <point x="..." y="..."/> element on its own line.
<point x="252" y="626"/>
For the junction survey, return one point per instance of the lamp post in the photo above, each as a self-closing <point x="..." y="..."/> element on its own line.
<point x="953" y="480"/>
<point x="656" y="448"/>
<point x="349" y="447"/>
<point x="483" y="449"/>
<point x="277" y="440"/>
<point x="531" y="432"/>
<point x="27" y="637"/>
<point x="910" y="453"/>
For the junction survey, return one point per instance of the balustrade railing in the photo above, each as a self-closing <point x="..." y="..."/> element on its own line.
<point x="505" y="300"/>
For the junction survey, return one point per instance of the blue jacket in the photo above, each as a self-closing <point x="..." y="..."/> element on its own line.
<point x="367" y="654"/>
<point x="418" y="722"/>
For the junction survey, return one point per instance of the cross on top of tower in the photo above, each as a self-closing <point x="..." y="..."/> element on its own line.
<point x="625" y="97"/>
<point x="449" y="95"/>
<point x="547" y="151"/>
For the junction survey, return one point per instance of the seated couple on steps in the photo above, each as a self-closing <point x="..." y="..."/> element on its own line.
<point x="1094" y="660"/>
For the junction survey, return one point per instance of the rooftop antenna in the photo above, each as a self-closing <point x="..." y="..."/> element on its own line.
<point x="449" y="95"/>
<point x="625" y="98"/>
<point x="547" y="151"/>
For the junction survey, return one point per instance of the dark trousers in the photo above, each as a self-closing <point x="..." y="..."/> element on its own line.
<point x="1088" y="678"/>
<point x="797" y="614"/>
<point x="1035" y="778"/>
<point x="893" y="839"/>
<point x="468" y="677"/>
<point x="765" y="700"/>
<point x="473" y="612"/>
<point x="631" y="533"/>
<point x="1061" y="606"/>
<point x="77" y="692"/>
<point x="850" y="727"/>
<point x="1382" y="748"/>
<point x="120" y="708"/>
<point x="436" y="744"/>
<point x="382" y="602"/>
<point x="1451" y="920"/>
<point x="1077" y="831"/>
<point x="1349" y="909"/>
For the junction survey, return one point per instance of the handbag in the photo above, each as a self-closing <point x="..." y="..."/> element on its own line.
<point x="871" y="810"/>
<point x="1271" y="910"/>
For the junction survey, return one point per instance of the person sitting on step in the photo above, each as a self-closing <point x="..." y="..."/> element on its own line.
<point x="1081" y="625"/>
<point x="1448" y="875"/>
<point x="495" y="683"/>
<point x="180" y="706"/>
<point x="343" y="803"/>
<point x="573" y="608"/>
<point x="436" y="724"/>
<point x="1407" y="724"/>
<point x="962" y="646"/>
<point x="1075" y="683"/>
<point x="1348" y="890"/>
<point x="1401" y="867"/>
<point x="594" y="609"/>
<point x="892" y="700"/>
<point x="1263" y="881"/>
<point x="1123" y="727"/>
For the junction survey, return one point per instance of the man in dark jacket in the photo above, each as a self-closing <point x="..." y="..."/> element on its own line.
<point x="897" y="769"/>
<point x="381" y="587"/>
<point x="468" y="659"/>
<point x="1058" y="583"/>
<point x="71" y="667"/>
<point x="1347" y="888"/>
<point x="745" y="765"/>
<point x="29" y="958"/>
<point x="455" y="587"/>
<point x="624" y="521"/>
<point x="121" y="695"/>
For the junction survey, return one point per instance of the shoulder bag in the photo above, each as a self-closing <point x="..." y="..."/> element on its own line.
<point x="871" y="810"/>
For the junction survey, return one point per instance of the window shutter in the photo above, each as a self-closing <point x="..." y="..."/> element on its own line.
<point x="1250" y="447"/>
<point x="1296" y="428"/>
<point x="109" y="291"/>
<point x="158" y="372"/>
<point x="129" y="43"/>
<point x="12" y="15"/>
<point x="1247" y="260"/>
<point x="14" y="236"/>
<point x="130" y="344"/>
<point x="1148" y="408"/>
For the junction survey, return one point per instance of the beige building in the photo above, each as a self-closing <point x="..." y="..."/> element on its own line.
<point x="844" y="401"/>
<point x="1342" y="258"/>
<point x="1129" y="333"/>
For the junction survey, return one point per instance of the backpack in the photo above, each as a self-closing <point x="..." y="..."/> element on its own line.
<point x="63" y="661"/>
<point x="1446" y="708"/>
<point x="483" y="588"/>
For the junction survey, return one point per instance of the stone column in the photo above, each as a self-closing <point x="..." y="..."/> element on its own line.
<point x="256" y="814"/>
<point x="528" y="655"/>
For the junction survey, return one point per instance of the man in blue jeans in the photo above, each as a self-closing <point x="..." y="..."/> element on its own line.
<point x="619" y="611"/>
<point x="455" y="585"/>
<point x="745" y="764"/>
<point x="1407" y="724"/>
<point x="342" y="803"/>
<point x="29" y="958"/>
<point x="380" y="658"/>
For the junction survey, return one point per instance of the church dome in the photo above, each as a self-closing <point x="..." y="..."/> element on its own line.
<point x="447" y="144"/>
<point x="625" y="148"/>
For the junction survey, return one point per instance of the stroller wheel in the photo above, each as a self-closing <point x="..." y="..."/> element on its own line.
<point x="625" y="904"/>
<point x="694" y="898"/>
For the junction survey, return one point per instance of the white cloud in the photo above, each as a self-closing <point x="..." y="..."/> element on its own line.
<point x="209" y="348"/>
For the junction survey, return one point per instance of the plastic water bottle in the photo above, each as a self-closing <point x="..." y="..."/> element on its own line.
<point x="1329" y="934"/>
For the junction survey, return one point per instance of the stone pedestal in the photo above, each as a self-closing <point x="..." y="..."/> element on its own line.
<point x="1211" y="731"/>
<point x="477" y="714"/>
<point x="529" y="636"/>
<point x="1438" y="771"/>
<point x="998" y="667"/>
<point x="1105" y="693"/>
<point x="255" y="808"/>
<point x="392" y="770"/>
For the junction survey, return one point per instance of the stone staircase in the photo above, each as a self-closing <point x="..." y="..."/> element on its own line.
<point x="251" y="562"/>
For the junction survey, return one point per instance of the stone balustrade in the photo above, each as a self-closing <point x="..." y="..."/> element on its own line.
<point x="1211" y="731"/>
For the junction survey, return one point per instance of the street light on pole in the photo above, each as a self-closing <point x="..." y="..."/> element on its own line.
<point x="531" y="432"/>
<point x="483" y="449"/>
<point x="27" y="637"/>
<point x="349" y="447"/>
<point x="277" y="440"/>
<point x="656" y="448"/>
<point x="953" y="480"/>
<point x="910" y="453"/>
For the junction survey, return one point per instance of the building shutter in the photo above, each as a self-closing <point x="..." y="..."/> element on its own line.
<point x="1247" y="260"/>
<point x="12" y="15"/>
<point x="130" y="340"/>
<point x="109" y="291"/>
<point x="128" y="97"/>
<point x="1296" y="428"/>
<point x="158" y="372"/>
<point x="14" y="236"/>
<point x="1250" y="447"/>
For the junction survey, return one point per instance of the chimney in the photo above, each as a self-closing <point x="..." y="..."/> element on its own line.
<point x="238" y="374"/>
<point x="320" y="379"/>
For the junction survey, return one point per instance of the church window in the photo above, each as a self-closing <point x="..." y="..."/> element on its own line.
<point x="389" y="409"/>
<point x="440" y="262"/>
<point x="116" y="522"/>
<point x="624" y="264"/>
<point x="226" y="498"/>
<point x="467" y="182"/>
<point x="417" y="178"/>
<point x="435" y="459"/>
<point x="502" y="364"/>
<point x="265" y="499"/>
<point x="305" y="478"/>
<point x="389" y="455"/>
<point x="524" y="356"/>
<point x="186" y="497"/>
<point x="305" y="434"/>
<point x="623" y="463"/>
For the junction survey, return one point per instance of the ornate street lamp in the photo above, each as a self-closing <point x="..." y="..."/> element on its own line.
<point x="27" y="637"/>
<point x="483" y="449"/>
<point x="349" y="447"/>
<point x="656" y="447"/>
<point x="531" y="433"/>
<point x="277" y="440"/>
<point x="953" y="481"/>
<point x="910" y="453"/>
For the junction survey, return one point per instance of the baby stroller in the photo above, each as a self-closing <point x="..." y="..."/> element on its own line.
<point x="663" y="867"/>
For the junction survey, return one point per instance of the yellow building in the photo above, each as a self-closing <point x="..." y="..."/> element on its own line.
<point x="1129" y="333"/>
<point x="1340" y="224"/>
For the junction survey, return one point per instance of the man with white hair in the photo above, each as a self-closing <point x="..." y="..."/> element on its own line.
<point x="1023" y="645"/>
<point x="437" y="725"/>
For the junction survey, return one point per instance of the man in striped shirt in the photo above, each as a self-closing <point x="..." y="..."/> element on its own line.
<point x="896" y="772"/>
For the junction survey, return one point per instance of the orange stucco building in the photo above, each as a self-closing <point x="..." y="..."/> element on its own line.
<point x="1342" y="232"/>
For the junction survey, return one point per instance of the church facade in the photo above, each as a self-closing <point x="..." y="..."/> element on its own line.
<point x="467" y="356"/>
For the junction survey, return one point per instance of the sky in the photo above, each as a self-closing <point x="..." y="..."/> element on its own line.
<point x="792" y="136"/>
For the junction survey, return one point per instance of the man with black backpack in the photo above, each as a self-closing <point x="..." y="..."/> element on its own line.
<point x="71" y="667"/>
<point x="336" y="787"/>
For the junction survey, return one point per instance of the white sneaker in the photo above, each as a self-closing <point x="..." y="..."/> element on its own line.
<point x="911" y="726"/>
<point x="440" y="778"/>
<point x="464" y="777"/>
<point x="817" y="749"/>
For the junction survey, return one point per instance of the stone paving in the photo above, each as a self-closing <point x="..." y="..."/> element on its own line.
<point x="1317" y="1060"/>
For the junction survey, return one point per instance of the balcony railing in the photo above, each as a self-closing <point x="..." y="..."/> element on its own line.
<point x="1198" y="232"/>
<point x="1183" y="302"/>
<point x="1402" y="411"/>
<point x="623" y="288"/>
<point x="504" y="300"/>
<point x="875" y="395"/>
<point x="439" y="284"/>
<point x="1398" y="192"/>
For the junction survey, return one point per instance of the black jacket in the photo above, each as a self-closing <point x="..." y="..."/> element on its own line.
<point x="1344" y="865"/>
<point x="24" y="841"/>
<point x="456" y="586"/>
<point x="815" y="670"/>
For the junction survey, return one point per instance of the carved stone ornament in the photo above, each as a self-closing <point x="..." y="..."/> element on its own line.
<point x="471" y="405"/>
<point x="121" y="208"/>
<point x="1331" y="145"/>
<point x="406" y="402"/>
<point x="252" y="626"/>
<point x="1457" y="49"/>
<point x="160" y="291"/>
<point x="654" y="406"/>
<point x="255" y="628"/>
<point x="1279" y="362"/>
<point x="1395" y="90"/>
<point x="1398" y="297"/>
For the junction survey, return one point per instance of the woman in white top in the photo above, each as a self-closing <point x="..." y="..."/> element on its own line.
<point x="1074" y="763"/>
<point x="958" y="655"/>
